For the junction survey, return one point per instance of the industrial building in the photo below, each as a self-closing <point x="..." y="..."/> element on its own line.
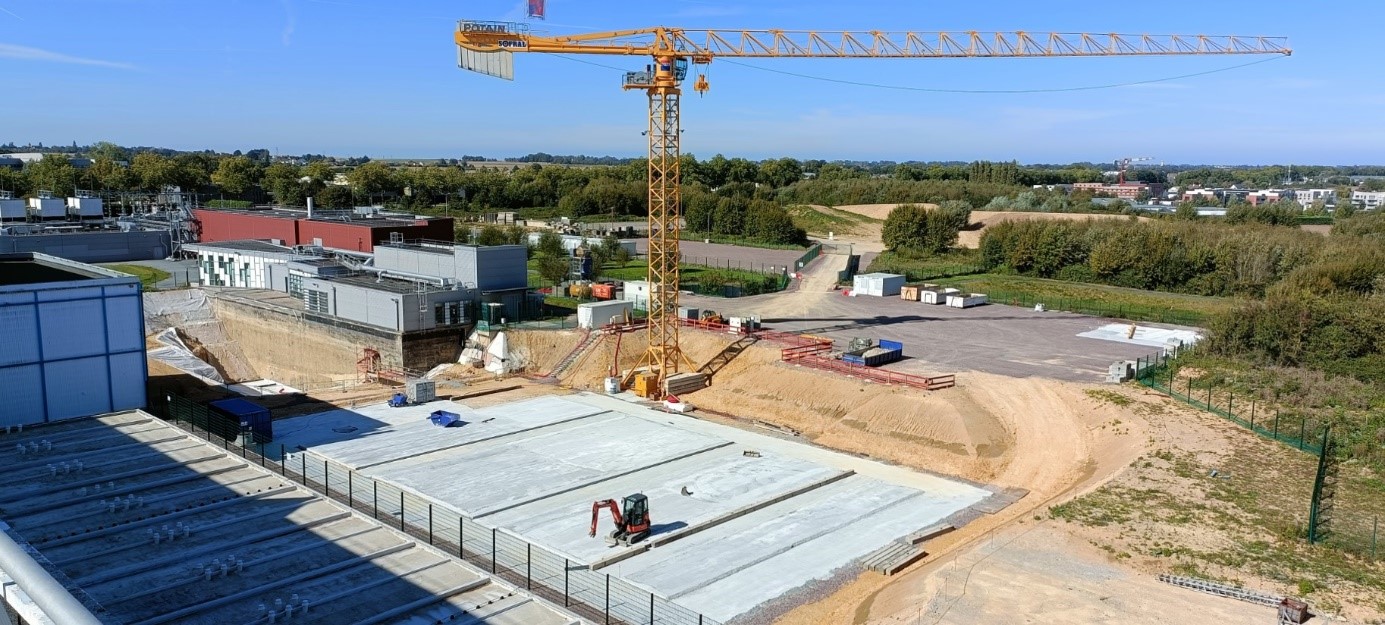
<point x="244" y="264"/>
<point x="402" y="287"/>
<point x="71" y="340"/>
<point x="359" y="230"/>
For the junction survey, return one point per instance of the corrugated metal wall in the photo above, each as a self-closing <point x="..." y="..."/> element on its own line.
<point x="225" y="226"/>
<point x="94" y="247"/>
<point x="70" y="350"/>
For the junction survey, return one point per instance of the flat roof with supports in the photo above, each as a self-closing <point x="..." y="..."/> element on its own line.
<point x="739" y="518"/>
<point x="34" y="268"/>
<point x="145" y="523"/>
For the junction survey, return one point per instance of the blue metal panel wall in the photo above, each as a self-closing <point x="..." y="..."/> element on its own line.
<point x="71" y="350"/>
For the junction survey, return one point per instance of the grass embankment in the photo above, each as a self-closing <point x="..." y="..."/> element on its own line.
<point x="957" y="262"/>
<point x="148" y="276"/>
<point x="1235" y="514"/>
<point x="686" y="235"/>
<point x="1094" y="299"/>
<point x="822" y="220"/>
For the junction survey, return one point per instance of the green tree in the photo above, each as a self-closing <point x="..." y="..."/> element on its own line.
<point x="236" y="174"/>
<point x="371" y="178"/>
<point x="281" y="179"/>
<point x="491" y="235"/>
<point x="550" y="244"/>
<point x="334" y="196"/>
<point x="781" y="172"/>
<point x="1344" y="210"/>
<point x="1186" y="211"/>
<point x="553" y="269"/>
<point x="53" y="173"/>
<point x="906" y="229"/>
<point x="153" y="171"/>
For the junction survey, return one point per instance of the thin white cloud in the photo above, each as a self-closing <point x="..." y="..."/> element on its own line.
<point x="289" y="23"/>
<point x="12" y="13"/>
<point x="25" y="53"/>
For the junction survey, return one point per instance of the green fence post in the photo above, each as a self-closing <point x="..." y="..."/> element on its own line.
<point x="1302" y="430"/>
<point x="1190" y="388"/>
<point x="1209" y="398"/>
<point x="1252" y="414"/>
<point x="1375" y="533"/>
<point x="1276" y="425"/>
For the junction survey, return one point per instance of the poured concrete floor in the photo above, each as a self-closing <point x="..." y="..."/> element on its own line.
<point x="761" y="515"/>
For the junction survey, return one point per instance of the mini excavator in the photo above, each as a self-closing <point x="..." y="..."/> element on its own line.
<point x="632" y="525"/>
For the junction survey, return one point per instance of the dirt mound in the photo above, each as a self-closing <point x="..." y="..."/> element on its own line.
<point x="878" y="211"/>
<point x="538" y="351"/>
<point x="980" y="220"/>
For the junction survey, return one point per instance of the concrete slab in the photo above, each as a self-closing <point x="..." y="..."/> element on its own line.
<point x="371" y="435"/>
<point x="499" y="474"/>
<point x="1144" y="335"/>
<point x="727" y="571"/>
<point x="720" y="481"/>
<point x="750" y="529"/>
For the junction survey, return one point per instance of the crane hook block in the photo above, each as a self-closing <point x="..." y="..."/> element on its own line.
<point x="701" y="86"/>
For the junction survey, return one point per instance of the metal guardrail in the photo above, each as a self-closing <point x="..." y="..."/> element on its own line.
<point x="596" y="596"/>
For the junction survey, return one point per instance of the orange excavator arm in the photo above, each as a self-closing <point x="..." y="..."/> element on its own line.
<point x="596" y="514"/>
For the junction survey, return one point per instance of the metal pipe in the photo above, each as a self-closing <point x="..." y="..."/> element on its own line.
<point x="50" y="596"/>
<point x="408" y="275"/>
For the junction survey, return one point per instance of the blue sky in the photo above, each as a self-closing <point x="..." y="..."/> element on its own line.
<point x="379" y="78"/>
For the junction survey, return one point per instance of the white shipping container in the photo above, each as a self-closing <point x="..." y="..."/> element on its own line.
<point x="596" y="314"/>
<point x="878" y="284"/>
<point x="958" y="300"/>
<point x="937" y="295"/>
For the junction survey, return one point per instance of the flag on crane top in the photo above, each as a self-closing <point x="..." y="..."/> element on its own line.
<point x="536" y="9"/>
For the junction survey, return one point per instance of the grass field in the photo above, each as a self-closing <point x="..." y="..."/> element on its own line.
<point x="148" y="276"/>
<point x="956" y="262"/>
<point x="687" y="235"/>
<point x="1094" y="299"/>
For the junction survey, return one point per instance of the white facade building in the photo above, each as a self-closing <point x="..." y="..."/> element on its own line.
<point x="1368" y="200"/>
<point x="242" y="264"/>
<point x="1306" y="197"/>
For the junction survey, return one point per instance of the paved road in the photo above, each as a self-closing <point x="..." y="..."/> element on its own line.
<point x="733" y="256"/>
<point x="1005" y="340"/>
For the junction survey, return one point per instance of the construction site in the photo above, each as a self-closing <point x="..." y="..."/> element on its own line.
<point x="355" y="431"/>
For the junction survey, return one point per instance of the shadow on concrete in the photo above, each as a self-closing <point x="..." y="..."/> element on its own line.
<point x="149" y="523"/>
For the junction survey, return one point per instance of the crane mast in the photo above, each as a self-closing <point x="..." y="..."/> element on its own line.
<point x="488" y="47"/>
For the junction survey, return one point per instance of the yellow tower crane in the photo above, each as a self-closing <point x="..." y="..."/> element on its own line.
<point x="487" y="47"/>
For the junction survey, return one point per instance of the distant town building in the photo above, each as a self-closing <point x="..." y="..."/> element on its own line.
<point x="1306" y="197"/>
<point x="1269" y="196"/>
<point x="24" y="158"/>
<point x="1127" y="191"/>
<point x="1369" y="200"/>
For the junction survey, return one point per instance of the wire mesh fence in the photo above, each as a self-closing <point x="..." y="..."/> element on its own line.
<point x="594" y="595"/>
<point x="1159" y="371"/>
<point x="1356" y="499"/>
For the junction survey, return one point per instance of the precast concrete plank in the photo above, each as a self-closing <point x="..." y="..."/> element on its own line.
<point x="785" y="545"/>
<point x="557" y="459"/>
<point x="377" y="434"/>
<point x="719" y="482"/>
<point x="735" y="593"/>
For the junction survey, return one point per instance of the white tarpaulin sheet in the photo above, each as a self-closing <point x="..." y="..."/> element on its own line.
<point x="1144" y="335"/>
<point x="178" y="356"/>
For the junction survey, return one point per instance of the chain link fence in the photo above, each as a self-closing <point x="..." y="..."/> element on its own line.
<point x="1097" y="308"/>
<point x="1356" y="493"/>
<point x="593" y="595"/>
